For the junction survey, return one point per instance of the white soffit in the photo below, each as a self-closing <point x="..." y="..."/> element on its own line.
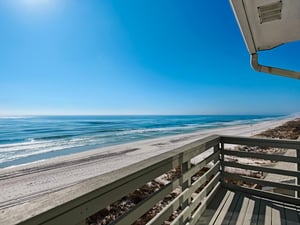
<point x="266" y="24"/>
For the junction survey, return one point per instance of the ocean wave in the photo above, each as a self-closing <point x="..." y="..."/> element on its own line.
<point x="237" y="122"/>
<point x="40" y="130"/>
<point x="38" y="137"/>
<point x="62" y="136"/>
<point x="15" y="117"/>
<point x="4" y="141"/>
<point x="35" y="145"/>
<point x="33" y="152"/>
<point x="162" y="129"/>
<point x="96" y="122"/>
<point x="10" y="153"/>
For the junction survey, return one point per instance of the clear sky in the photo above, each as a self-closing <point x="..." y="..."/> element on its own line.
<point x="134" y="57"/>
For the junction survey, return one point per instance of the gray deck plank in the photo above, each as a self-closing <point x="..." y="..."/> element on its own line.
<point x="255" y="213"/>
<point x="264" y="216"/>
<point x="298" y="210"/>
<point x="232" y="208"/>
<point x="249" y="212"/>
<point x="242" y="215"/>
<point x="221" y="208"/>
<point x="237" y="211"/>
<point x="225" y="209"/>
<point x="278" y="215"/>
<point x="237" y="208"/>
<point x="262" y="213"/>
<point x="268" y="218"/>
<point x="291" y="215"/>
<point x="216" y="206"/>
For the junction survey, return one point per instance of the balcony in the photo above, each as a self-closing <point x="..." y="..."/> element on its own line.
<point x="214" y="183"/>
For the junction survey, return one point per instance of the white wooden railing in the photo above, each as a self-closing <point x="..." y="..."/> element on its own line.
<point x="74" y="204"/>
<point x="230" y="179"/>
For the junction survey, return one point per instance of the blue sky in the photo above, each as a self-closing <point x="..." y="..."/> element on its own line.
<point x="135" y="57"/>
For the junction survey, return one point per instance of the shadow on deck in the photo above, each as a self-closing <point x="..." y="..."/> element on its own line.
<point x="233" y="207"/>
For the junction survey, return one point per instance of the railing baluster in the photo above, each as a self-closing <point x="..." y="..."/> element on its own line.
<point x="217" y="149"/>
<point x="221" y="146"/>
<point x="235" y="181"/>
<point x="186" y="184"/>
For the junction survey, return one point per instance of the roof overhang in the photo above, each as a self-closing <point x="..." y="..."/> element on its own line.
<point x="266" y="24"/>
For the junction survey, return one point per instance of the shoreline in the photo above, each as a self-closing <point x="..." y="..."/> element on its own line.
<point x="163" y="144"/>
<point x="43" y="138"/>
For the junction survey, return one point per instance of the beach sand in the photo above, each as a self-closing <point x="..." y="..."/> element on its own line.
<point x="26" y="182"/>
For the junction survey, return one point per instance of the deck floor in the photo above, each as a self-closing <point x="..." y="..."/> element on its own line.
<point x="236" y="208"/>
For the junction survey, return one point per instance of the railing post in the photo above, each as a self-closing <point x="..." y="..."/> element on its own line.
<point x="222" y="161"/>
<point x="217" y="149"/>
<point x="186" y="184"/>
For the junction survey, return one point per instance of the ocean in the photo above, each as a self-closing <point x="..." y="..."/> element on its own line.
<point x="32" y="138"/>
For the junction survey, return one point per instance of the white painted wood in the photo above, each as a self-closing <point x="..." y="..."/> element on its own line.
<point x="256" y="155"/>
<point x="222" y="215"/>
<point x="263" y="169"/>
<point x="249" y="212"/>
<point x="264" y="194"/>
<point x="242" y="213"/>
<point x="206" y="201"/>
<point x="261" y="181"/>
<point x="261" y="142"/>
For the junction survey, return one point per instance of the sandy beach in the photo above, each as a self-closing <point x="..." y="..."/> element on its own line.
<point x="26" y="182"/>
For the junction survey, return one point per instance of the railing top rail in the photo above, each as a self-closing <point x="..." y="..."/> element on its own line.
<point x="262" y="142"/>
<point x="52" y="205"/>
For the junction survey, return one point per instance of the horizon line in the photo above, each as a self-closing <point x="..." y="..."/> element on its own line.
<point x="225" y="114"/>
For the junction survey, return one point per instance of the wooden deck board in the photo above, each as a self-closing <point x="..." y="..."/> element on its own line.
<point x="278" y="216"/>
<point x="244" y="207"/>
<point x="291" y="215"/>
<point x="262" y="215"/>
<point x="233" y="209"/>
<point x="268" y="218"/>
<point x="215" y="208"/>
<point x="237" y="208"/>
<point x="224" y="211"/>
<point x="255" y="213"/>
<point x="237" y="211"/>
<point x="249" y="212"/>
<point x="220" y="208"/>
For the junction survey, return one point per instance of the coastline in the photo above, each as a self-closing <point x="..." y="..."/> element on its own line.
<point x="48" y="176"/>
<point x="159" y="145"/>
<point x="28" y="140"/>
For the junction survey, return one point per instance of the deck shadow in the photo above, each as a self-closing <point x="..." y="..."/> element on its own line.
<point x="236" y="208"/>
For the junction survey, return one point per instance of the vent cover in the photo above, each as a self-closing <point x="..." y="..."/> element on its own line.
<point x="270" y="12"/>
